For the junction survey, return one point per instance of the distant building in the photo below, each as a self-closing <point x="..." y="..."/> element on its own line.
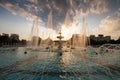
<point x="35" y="41"/>
<point x="92" y="37"/>
<point x="15" y="37"/>
<point x="75" y="40"/>
<point x="107" y="38"/>
<point x="4" y="34"/>
<point x="100" y="37"/>
<point x="78" y="40"/>
<point x="47" y="41"/>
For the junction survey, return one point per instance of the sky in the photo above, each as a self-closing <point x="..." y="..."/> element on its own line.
<point x="101" y="17"/>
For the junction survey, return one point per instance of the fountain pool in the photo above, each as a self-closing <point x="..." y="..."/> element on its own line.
<point x="89" y="64"/>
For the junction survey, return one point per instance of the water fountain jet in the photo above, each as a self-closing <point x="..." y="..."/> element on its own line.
<point x="34" y="35"/>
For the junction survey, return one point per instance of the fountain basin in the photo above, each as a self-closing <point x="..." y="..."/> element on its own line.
<point x="48" y="65"/>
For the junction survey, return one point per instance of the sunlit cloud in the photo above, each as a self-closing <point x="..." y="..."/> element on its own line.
<point x="16" y="9"/>
<point x="109" y="26"/>
<point x="31" y="9"/>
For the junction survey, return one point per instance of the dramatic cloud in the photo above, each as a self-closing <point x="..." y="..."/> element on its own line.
<point x="118" y="13"/>
<point x="31" y="9"/>
<point x="17" y="9"/>
<point x="109" y="26"/>
<point x="91" y="6"/>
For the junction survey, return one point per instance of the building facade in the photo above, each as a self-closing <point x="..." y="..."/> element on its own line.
<point x="100" y="37"/>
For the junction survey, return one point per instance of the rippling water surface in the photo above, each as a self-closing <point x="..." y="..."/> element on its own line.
<point x="89" y="64"/>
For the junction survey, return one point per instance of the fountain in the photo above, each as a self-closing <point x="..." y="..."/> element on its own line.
<point x="78" y="64"/>
<point x="80" y="40"/>
<point x="84" y="33"/>
<point x="60" y="44"/>
<point x="67" y="21"/>
<point x="49" y="22"/>
<point x="81" y="63"/>
<point x="34" y="36"/>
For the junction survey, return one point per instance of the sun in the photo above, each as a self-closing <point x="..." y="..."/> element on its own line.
<point x="65" y="32"/>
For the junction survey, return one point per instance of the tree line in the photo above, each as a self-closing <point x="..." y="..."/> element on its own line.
<point x="7" y="40"/>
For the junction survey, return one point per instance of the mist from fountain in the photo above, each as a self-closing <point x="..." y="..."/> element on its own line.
<point x="49" y="21"/>
<point x="47" y="32"/>
<point x="84" y="36"/>
<point x="79" y="39"/>
<point x="34" y="36"/>
<point x="67" y="21"/>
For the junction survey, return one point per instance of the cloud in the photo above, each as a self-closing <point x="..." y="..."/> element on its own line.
<point x="118" y="12"/>
<point x="98" y="7"/>
<point x="109" y="26"/>
<point x="24" y="11"/>
<point x="84" y="7"/>
<point x="31" y="9"/>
